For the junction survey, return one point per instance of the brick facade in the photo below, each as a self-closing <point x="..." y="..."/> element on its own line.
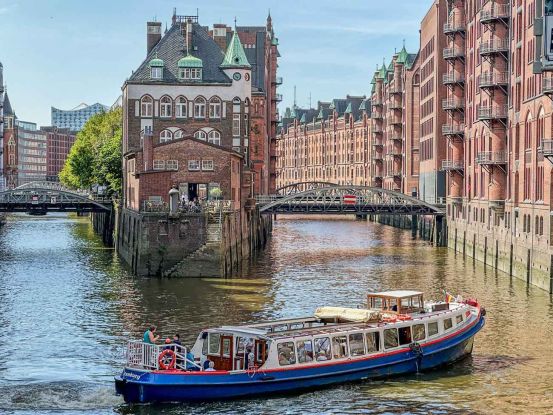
<point x="58" y="144"/>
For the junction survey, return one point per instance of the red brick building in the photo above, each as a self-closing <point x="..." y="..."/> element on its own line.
<point x="10" y="145"/>
<point x="58" y="144"/>
<point x="214" y="85"/>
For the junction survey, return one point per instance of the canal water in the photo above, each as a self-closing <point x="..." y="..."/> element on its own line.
<point x="67" y="307"/>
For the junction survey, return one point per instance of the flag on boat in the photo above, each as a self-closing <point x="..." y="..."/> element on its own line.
<point x="448" y="297"/>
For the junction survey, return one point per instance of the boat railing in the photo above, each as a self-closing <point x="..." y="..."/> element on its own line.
<point x="142" y="355"/>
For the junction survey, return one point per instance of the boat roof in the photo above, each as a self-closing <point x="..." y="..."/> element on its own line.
<point x="397" y="293"/>
<point x="243" y="330"/>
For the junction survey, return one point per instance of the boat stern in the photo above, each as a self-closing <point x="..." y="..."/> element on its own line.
<point x="129" y="385"/>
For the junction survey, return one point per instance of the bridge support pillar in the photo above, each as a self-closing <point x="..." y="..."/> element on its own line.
<point x="414" y="225"/>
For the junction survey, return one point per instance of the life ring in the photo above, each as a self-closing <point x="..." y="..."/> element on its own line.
<point x="163" y="359"/>
<point x="389" y="320"/>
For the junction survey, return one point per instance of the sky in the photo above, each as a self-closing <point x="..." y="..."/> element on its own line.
<point x="65" y="52"/>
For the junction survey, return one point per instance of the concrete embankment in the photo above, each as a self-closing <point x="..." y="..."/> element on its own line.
<point x="190" y="245"/>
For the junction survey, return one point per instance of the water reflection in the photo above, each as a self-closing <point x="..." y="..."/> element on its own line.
<point x="67" y="306"/>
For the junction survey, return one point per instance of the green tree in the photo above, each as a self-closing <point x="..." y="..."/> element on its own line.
<point x="95" y="158"/>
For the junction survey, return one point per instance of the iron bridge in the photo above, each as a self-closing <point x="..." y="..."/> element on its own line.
<point x="329" y="198"/>
<point x="43" y="197"/>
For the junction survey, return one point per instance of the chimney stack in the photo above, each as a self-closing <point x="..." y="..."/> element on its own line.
<point x="148" y="151"/>
<point x="153" y="34"/>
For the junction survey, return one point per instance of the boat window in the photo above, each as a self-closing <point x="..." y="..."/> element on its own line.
<point x="305" y="351"/>
<point x="432" y="328"/>
<point x="227" y="341"/>
<point x="405" y="335"/>
<point x="459" y="319"/>
<point x="296" y="326"/>
<point x="214" y="343"/>
<point x="447" y="324"/>
<point x="242" y="344"/>
<point x="391" y="304"/>
<point x="373" y="342"/>
<point x="340" y="347"/>
<point x="418" y="332"/>
<point x="390" y="338"/>
<point x="356" y="344"/>
<point x="282" y="327"/>
<point x="286" y="354"/>
<point x="376" y="302"/>
<point x="322" y="349"/>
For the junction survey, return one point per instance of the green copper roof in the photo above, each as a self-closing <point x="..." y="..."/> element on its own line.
<point x="382" y="72"/>
<point x="293" y="112"/>
<point x="348" y="109"/>
<point x="391" y="66"/>
<point x="321" y="115"/>
<point x="190" y="61"/>
<point x="302" y="118"/>
<point x="156" y="62"/>
<point x="332" y="106"/>
<point x="402" y="56"/>
<point x="363" y="105"/>
<point x="274" y="41"/>
<point x="235" y="56"/>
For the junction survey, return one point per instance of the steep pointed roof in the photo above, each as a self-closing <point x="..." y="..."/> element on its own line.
<point x="348" y="109"/>
<point x="402" y="56"/>
<point x="8" y="110"/>
<point x="235" y="57"/>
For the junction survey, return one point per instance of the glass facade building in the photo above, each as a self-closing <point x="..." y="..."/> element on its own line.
<point x="76" y="118"/>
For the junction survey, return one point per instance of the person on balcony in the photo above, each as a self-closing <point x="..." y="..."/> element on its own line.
<point x="150" y="335"/>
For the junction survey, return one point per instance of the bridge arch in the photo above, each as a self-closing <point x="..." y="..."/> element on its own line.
<point x="302" y="187"/>
<point x="49" y="196"/>
<point x="360" y="200"/>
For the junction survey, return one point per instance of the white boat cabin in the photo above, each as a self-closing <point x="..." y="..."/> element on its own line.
<point x="397" y="302"/>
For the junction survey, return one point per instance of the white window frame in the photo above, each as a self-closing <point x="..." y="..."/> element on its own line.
<point x="165" y="136"/>
<point x="190" y="74"/>
<point x="236" y="125"/>
<point x="181" y="108"/>
<point x="159" y="165"/>
<point x="208" y="165"/>
<point x="156" y="72"/>
<point x="214" y="137"/>
<point x="193" y="165"/>
<point x="165" y="108"/>
<point x="146" y="106"/>
<point x="178" y="134"/>
<point x="215" y="109"/>
<point x="172" y="165"/>
<point x="200" y="135"/>
<point x="199" y="108"/>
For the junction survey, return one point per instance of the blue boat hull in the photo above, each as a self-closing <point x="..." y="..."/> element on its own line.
<point x="140" y="386"/>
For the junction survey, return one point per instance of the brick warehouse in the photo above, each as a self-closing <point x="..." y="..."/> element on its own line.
<point x="472" y="121"/>
<point x="199" y="114"/>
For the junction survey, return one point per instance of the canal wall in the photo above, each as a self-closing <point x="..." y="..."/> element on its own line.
<point x="105" y="224"/>
<point x="190" y="245"/>
<point x="518" y="254"/>
<point x="429" y="228"/>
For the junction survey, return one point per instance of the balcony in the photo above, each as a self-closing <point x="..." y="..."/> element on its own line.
<point x="453" y="53"/>
<point x="278" y="80"/>
<point x="396" y="90"/>
<point x="497" y="12"/>
<point x="377" y="102"/>
<point x="453" y="78"/>
<point x="547" y="86"/>
<point x="453" y="129"/>
<point x="547" y="149"/>
<point x="494" y="47"/>
<point x="394" y="152"/>
<point x="491" y="158"/>
<point x="378" y="157"/>
<point x="451" y="28"/>
<point x="396" y="106"/>
<point x="450" y="104"/>
<point x="277" y="97"/>
<point x="377" y="143"/>
<point x="376" y="115"/>
<point x="395" y="173"/>
<point x="396" y="121"/>
<point x="492" y="113"/>
<point x="396" y="137"/>
<point x="493" y="80"/>
<point x="453" y="165"/>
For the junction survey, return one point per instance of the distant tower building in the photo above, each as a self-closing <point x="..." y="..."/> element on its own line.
<point x="2" y="181"/>
<point x="76" y="118"/>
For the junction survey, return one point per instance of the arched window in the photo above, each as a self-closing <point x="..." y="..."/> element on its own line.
<point x="165" y="107"/>
<point x="199" y="107"/>
<point x="178" y="134"/>
<point x="528" y="131"/>
<point x="165" y="136"/>
<point x="200" y="135"/>
<point x="215" y="108"/>
<point x="214" y="137"/>
<point x="146" y="105"/>
<point x="181" y="107"/>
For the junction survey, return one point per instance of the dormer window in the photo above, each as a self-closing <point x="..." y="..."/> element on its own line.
<point x="190" y="74"/>
<point x="156" y="68"/>
<point x="190" y="68"/>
